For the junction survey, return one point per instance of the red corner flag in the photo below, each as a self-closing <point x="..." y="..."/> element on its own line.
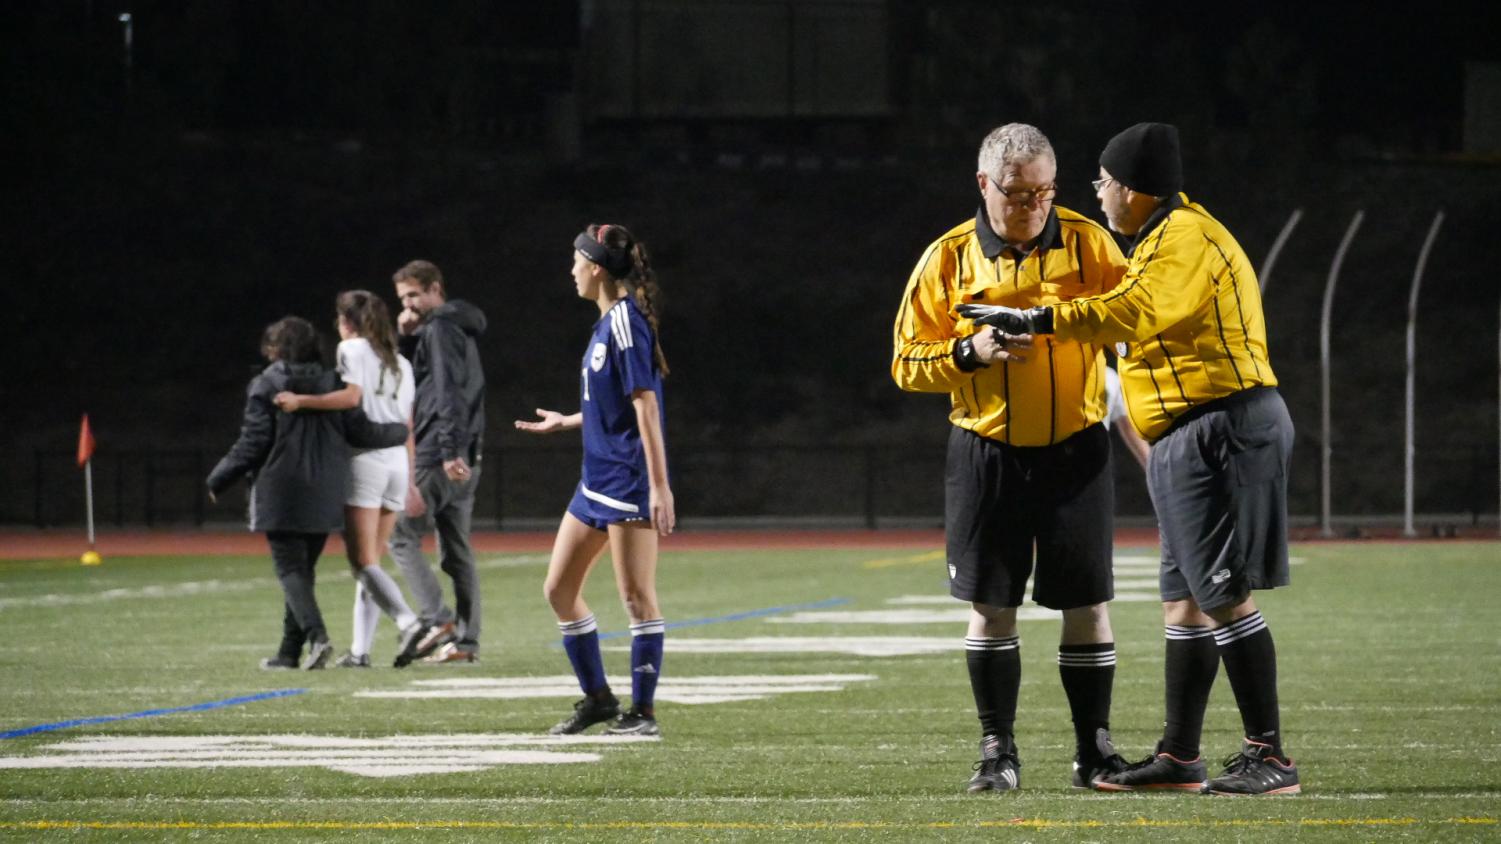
<point x="85" y="442"/>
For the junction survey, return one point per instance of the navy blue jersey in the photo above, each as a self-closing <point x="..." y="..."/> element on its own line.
<point x="618" y="362"/>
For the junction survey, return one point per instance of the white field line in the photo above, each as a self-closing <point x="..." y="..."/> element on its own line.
<point x="851" y="645"/>
<point x="174" y="590"/>
<point x="673" y="689"/>
<point x="512" y="561"/>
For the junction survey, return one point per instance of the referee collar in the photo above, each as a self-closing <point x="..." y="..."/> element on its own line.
<point x="992" y="244"/>
<point x="1158" y="217"/>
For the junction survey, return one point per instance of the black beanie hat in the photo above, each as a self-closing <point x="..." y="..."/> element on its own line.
<point x="1145" y="159"/>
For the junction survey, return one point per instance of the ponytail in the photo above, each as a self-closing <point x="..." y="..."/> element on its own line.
<point x="368" y="314"/>
<point x="628" y="262"/>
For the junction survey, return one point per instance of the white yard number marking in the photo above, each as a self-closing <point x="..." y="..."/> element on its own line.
<point x="392" y="756"/>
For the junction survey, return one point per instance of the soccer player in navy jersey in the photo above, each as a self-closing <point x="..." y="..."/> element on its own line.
<point x="623" y="498"/>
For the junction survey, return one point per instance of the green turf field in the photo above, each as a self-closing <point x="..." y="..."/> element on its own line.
<point x="1391" y="690"/>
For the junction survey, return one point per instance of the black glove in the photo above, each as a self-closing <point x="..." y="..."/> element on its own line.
<point x="1010" y="320"/>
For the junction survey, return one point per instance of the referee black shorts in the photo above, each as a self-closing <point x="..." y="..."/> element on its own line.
<point x="1001" y="502"/>
<point x="1218" y="479"/>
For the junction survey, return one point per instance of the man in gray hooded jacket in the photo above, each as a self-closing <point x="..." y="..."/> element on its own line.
<point x="439" y="336"/>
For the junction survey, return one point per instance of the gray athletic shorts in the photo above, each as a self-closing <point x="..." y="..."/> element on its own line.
<point x="1218" y="480"/>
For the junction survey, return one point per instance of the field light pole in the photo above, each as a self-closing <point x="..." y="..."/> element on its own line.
<point x="1325" y="528"/>
<point x="1271" y="256"/>
<point x="1412" y="354"/>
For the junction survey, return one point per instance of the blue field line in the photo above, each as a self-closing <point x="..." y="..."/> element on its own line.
<point x="739" y="616"/>
<point x="150" y="713"/>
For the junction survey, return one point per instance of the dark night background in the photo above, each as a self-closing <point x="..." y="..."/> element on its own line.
<point x="786" y="162"/>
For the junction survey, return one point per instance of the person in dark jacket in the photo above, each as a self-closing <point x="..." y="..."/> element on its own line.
<point x="439" y="336"/>
<point x="298" y="464"/>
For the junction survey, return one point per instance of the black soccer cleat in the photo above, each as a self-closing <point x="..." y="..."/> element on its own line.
<point x="998" y="769"/>
<point x="1098" y="761"/>
<point x="349" y="660"/>
<point x="587" y="713"/>
<point x="275" y="663"/>
<point x="634" y="723"/>
<point x="1159" y="772"/>
<point x="1255" y="771"/>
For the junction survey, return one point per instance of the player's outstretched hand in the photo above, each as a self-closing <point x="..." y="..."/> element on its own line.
<point x="549" y="421"/>
<point x="1008" y="320"/>
<point x="290" y="402"/>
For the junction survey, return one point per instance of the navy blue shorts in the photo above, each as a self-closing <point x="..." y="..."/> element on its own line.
<point x="599" y="511"/>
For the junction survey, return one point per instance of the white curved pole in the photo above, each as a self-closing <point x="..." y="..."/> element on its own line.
<point x="1339" y="259"/>
<point x="1271" y="257"/>
<point x="1412" y="355"/>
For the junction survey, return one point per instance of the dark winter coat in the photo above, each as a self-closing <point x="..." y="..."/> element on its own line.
<point x="298" y="463"/>
<point x="449" y="417"/>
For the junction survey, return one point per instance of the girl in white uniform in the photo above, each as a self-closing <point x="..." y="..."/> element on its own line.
<point x="380" y="381"/>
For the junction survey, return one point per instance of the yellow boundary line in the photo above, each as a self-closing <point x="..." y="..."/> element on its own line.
<point x="914" y="560"/>
<point x="1025" y="823"/>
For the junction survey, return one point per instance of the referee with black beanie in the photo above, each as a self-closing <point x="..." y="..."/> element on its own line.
<point x="1188" y="326"/>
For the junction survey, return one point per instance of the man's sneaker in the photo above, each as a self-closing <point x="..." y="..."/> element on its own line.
<point x="435" y="637"/>
<point x="1099" y="761"/>
<point x="1158" y="772"/>
<point x="587" y="713"/>
<point x="317" y="655"/>
<point x="274" y="663"/>
<point x="349" y="660"/>
<point x="634" y="723"/>
<point x="998" y="769"/>
<point x="410" y="641"/>
<point x="450" y="652"/>
<point x="1255" y="771"/>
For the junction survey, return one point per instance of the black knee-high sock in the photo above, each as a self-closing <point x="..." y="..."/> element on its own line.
<point x="1251" y="664"/>
<point x="1193" y="660"/>
<point x="995" y="676"/>
<point x="1088" y="675"/>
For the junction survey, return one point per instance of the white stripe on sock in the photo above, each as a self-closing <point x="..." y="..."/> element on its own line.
<point x="656" y="625"/>
<point x="983" y="643"/>
<point x="1240" y="629"/>
<point x="580" y="627"/>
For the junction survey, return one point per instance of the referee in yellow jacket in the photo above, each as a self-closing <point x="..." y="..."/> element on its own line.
<point x="1188" y="326"/>
<point x="1028" y="456"/>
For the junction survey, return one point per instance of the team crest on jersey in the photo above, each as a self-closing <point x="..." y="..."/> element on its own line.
<point x="597" y="357"/>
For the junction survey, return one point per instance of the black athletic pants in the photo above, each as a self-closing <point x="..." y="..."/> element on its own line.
<point x="295" y="555"/>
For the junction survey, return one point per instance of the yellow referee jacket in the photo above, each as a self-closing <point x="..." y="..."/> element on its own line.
<point x="1186" y="319"/>
<point x="1059" y="390"/>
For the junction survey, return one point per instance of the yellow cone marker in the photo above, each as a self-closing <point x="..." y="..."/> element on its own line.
<point x="91" y="558"/>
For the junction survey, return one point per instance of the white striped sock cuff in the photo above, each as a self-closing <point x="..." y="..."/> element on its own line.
<point x="983" y="643"/>
<point x="1239" y="629"/>
<point x="656" y="625"/>
<point x="1094" y="659"/>
<point x="1176" y="633"/>
<point x="578" y="628"/>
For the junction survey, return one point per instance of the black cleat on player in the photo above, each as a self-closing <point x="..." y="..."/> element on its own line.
<point x="1159" y="772"/>
<point x="998" y="769"/>
<point x="1099" y="761"/>
<point x="587" y="713"/>
<point x="634" y="723"/>
<point x="1255" y="771"/>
